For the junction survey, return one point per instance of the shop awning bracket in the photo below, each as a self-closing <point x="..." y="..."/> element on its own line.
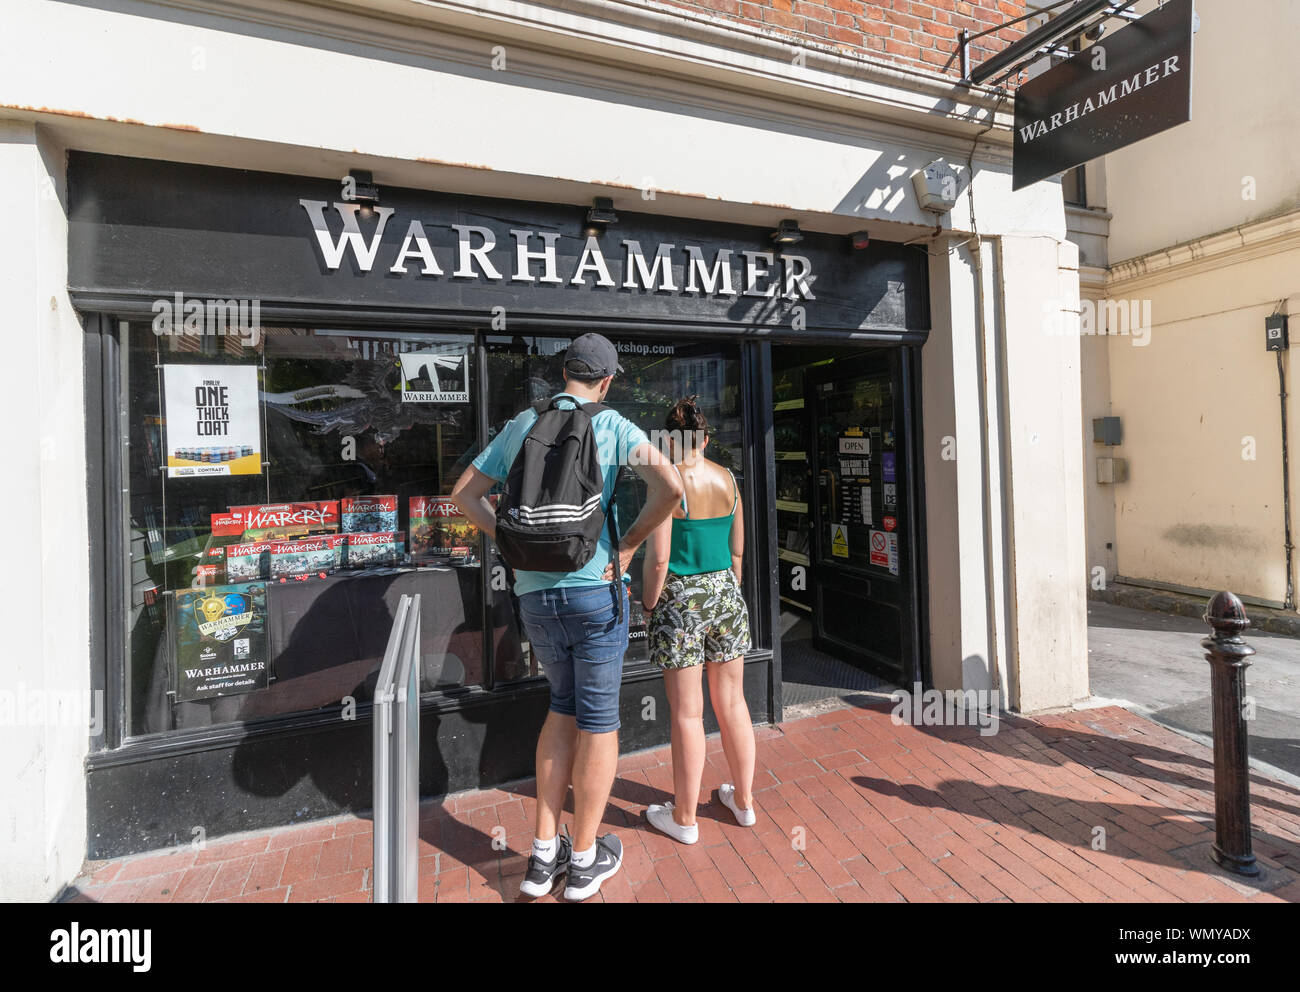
<point x="1043" y="40"/>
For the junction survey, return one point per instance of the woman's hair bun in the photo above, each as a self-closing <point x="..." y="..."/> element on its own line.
<point x="686" y="415"/>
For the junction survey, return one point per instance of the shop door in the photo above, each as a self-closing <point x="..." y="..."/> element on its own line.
<point x="861" y="586"/>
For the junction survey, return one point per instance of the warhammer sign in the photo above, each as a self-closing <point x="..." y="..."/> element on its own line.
<point x="1111" y="95"/>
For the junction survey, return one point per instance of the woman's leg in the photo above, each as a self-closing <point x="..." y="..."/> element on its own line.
<point x="727" y="693"/>
<point x="686" y="697"/>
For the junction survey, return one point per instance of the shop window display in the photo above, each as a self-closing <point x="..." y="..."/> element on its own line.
<point x="527" y="370"/>
<point x="285" y="489"/>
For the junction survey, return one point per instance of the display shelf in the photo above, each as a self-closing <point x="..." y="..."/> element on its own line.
<point x="792" y="506"/>
<point x="793" y="557"/>
<point x="791" y="456"/>
<point x="788" y="405"/>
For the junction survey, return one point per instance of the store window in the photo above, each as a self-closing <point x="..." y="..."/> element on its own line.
<point x="285" y="490"/>
<point x="528" y="370"/>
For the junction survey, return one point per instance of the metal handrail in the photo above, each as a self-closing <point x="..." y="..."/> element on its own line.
<point x="396" y="760"/>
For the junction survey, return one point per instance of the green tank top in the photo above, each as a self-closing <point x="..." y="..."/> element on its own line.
<point x="704" y="544"/>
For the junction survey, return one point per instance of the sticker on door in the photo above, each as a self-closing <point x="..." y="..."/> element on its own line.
<point x="839" y="541"/>
<point x="880" y="548"/>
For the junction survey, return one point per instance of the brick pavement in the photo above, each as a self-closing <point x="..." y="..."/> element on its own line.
<point x="1092" y="805"/>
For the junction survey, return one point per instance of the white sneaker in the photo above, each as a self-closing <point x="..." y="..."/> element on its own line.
<point x="745" y="817"/>
<point x="661" y="818"/>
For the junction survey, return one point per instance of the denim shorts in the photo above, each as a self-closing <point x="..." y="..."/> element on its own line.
<point x="579" y="640"/>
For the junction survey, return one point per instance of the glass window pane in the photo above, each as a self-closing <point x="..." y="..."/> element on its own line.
<point x="527" y="370"/>
<point x="317" y="543"/>
<point x="857" y="460"/>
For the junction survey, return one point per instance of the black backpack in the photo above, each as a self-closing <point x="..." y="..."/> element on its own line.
<point x="550" y="517"/>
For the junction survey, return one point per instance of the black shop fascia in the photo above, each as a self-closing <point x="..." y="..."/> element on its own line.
<point x="376" y="348"/>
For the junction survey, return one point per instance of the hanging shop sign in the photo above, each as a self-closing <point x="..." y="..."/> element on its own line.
<point x="1126" y="87"/>
<point x="221" y="642"/>
<point x="212" y="421"/>
<point x="292" y="243"/>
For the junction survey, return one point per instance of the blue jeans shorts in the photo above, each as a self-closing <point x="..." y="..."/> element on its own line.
<point x="579" y="641"/>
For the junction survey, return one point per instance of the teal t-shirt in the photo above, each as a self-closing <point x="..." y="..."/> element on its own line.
<point x="616" y="438"/>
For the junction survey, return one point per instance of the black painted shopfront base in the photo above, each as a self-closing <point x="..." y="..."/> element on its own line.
<point x="149" y="798"/>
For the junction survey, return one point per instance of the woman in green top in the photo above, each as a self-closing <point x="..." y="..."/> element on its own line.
<point x="691" y="592"/>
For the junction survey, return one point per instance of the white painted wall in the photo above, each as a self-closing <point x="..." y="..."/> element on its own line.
<point x="417" y="95"/>
<point x="45" y="706"/>
<point x="1046" y="472"/>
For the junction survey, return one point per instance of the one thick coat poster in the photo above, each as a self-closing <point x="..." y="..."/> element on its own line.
<point x="213" y="424"/>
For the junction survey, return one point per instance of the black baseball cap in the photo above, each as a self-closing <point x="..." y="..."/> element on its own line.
<point x="591" y="356"/>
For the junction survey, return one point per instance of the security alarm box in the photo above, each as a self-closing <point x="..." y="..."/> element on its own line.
<point x="1275" y="333"/>
<point x="937" y="187"/>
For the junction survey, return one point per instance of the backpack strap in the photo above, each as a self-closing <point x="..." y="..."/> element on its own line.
<point x="613" y="542"/>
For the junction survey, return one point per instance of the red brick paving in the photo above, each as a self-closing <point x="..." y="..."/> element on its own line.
<point x="851" y="808"/>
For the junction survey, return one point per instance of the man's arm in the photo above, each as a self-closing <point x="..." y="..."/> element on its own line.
<point x="470" y="495"/>
<point x="663" y="492"/>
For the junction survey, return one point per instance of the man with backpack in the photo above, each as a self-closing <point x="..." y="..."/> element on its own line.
<point x="553" y="526"/>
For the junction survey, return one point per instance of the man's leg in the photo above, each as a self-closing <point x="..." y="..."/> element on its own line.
<point x="556" y="748"/>
<point x="593" y="778"/>
<point x="557" y="742"/>
<point x="599" y="643"/>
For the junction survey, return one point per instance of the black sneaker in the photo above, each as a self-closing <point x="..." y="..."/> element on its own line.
<point x="585" y="882"/>
<point x="541" y="875"/>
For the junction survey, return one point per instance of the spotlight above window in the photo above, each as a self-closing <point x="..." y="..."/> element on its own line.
<point x="787" y="233"/>
<point x="600" y="216"/>
<point x="362" y="187"/>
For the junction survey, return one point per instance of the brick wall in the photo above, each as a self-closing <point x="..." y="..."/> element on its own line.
<point x="912" y="33"/>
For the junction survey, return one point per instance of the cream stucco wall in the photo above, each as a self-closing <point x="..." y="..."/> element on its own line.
<point x="1189" y="181"/>
<point x="1202" y="425"/>
<point x="1203" y="230"/>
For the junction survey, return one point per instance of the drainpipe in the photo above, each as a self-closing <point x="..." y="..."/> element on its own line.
<point x="1286" y="486"/>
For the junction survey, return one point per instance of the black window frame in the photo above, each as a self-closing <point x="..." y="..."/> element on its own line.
<point x="107" y="405"/>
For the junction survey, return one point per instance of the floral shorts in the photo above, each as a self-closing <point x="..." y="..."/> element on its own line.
<point x="698" y="618"/>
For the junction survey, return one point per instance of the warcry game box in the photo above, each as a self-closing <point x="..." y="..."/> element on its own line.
<point x="369" y="514"/>
<point x="370" y="550"/>
<point x="287" y="520"/>
<point x="221" y="645"/>
<point x="248" y="561"/>
<point x="440" y="530"/>
<point x="306" y="555"/>
<point x="211" y="569"/>
<point x="227" y="525"/>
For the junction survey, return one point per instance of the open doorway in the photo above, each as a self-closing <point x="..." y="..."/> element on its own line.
<point x="845" y="534"/>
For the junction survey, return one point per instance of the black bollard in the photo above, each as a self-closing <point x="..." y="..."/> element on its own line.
<point x="1228" y="655"/>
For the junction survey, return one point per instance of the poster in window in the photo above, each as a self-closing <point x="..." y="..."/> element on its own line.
<point x="435" y="375"/>
<point x="212" y="419"/>
<point x="221" y="641"/>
